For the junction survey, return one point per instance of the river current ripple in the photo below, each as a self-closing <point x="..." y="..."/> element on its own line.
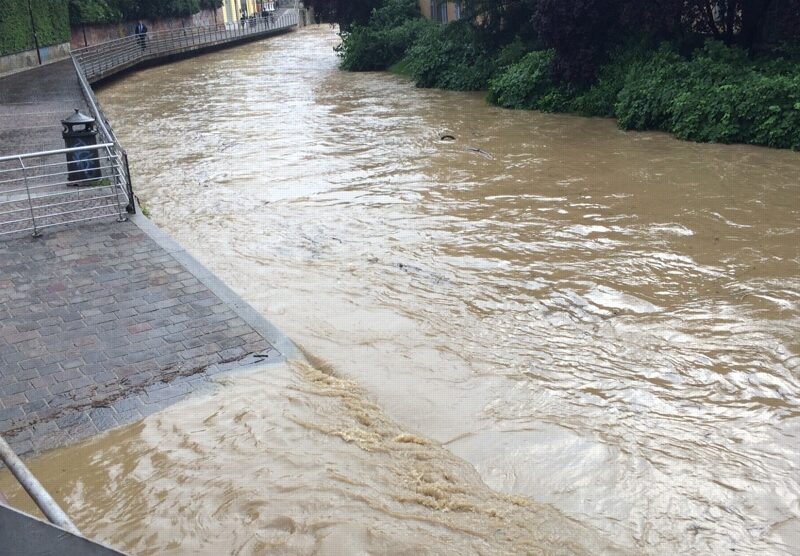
<point x="601" y="322"/>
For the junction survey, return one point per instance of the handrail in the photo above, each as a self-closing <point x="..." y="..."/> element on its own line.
<point x="57" y="151"/>
<point x="34" y="488"/>
<point x="185" y="35"/>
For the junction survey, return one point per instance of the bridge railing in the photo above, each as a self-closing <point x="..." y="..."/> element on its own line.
<point x="104" y="59"/>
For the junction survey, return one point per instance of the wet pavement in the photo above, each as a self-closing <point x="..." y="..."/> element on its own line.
<point x="101" y="326"/>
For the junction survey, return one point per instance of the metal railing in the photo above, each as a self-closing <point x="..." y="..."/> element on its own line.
<point x="51" y="188"/>
<point x="106" y="133"/>
<point x="102" y="60"/>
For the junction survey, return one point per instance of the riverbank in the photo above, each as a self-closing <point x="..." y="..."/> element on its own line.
<point x="696" y="88"/>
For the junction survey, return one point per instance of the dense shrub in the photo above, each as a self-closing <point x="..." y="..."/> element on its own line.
<point x="644" y="100"/>
<point x="15" y="27"/>
<point x="93" y="11"/>
<point x="700" y="91"/>
<point x="601" y="97"/>
<point x="528" y="85"/>
<point x="392" y="29"/>
<point x="51" y="18"/>
<point x="449" y="57"/>
<point x="370" y="49"/>
<point x="112" y="11"/>
<point x="511" y="53"/>
<point x="720" y="95"/>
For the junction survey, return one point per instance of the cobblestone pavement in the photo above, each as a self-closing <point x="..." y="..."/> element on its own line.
<point x="100" y="326"/>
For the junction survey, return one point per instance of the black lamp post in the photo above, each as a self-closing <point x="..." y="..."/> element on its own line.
<point x="35" y="37"/>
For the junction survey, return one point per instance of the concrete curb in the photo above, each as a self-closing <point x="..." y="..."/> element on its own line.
<point x="269" y="331"/>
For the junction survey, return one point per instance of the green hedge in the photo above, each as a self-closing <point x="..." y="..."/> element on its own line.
<point x="49" y="16"/>
<point x="15" y="27"/>
<point x="83" y="12"/>
<point x="718" y="95"/>
<point x="392" y="28"/>
<point x="528" y="85"/>
<point x="449" y="57"/>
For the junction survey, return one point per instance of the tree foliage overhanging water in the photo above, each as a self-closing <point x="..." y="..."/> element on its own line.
<point x="706" y="71"/>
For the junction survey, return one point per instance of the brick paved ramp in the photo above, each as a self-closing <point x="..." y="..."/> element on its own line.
<point x="100" y="326"/>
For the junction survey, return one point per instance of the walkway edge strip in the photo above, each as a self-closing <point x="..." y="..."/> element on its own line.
<point x="244" y="310"/>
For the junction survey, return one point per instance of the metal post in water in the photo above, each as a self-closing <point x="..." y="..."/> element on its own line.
<point x="35" y="489"/>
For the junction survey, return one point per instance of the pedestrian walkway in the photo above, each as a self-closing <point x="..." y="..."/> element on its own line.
<point x="100" y="326"/>
<point x="32" y="105"/>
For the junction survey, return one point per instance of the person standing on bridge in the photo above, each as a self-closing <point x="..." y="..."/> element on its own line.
<point x="141" y="34"/>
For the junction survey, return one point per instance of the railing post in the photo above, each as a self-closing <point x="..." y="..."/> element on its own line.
<point x="117" y="175"/>
<point x="28" y="193"/>
<point x="131" y="208"/>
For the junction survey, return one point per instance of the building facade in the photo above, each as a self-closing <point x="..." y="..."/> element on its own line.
<point x="442" y="11"/>
<point x="233" y="10"/>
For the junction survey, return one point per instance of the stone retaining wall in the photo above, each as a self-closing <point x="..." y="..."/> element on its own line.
<point x="28" y="59"/>
<point x="87" y="35"/>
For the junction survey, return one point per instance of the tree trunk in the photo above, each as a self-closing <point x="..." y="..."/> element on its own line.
<point x="753" y="13"/>
<point x="712" y="24"/>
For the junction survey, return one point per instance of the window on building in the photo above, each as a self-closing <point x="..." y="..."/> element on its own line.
<point x="443" y="12"/>
<point x="458" y="9"/>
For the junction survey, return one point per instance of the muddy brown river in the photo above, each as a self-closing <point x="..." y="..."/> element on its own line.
<point x="545" y="336"/>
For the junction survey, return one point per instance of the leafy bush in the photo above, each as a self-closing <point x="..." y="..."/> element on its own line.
<point x="83" y="12"/>
<point x="720" y="95"/>
<point x="112" y="11"/>
<point x="529" y="85"/>
<point x="449" y="57"/>
<point x="601" y="97"/>
<point x="644" y="100"/>
<point x="391" y="30"/>
<point x="511" y="53"/>
<point x="700" y="92"/>
<point x="15" y="28"/>
<point x="51" y="18"/>
<point x="370" y="49"/>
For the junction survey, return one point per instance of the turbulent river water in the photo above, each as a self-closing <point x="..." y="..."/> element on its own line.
<point x="546" y="335"/>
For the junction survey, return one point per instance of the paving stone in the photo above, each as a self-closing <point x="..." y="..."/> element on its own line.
<point x="104" y="418"/>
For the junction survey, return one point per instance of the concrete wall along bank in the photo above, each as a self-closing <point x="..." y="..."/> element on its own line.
<point x="87" y="35"/>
